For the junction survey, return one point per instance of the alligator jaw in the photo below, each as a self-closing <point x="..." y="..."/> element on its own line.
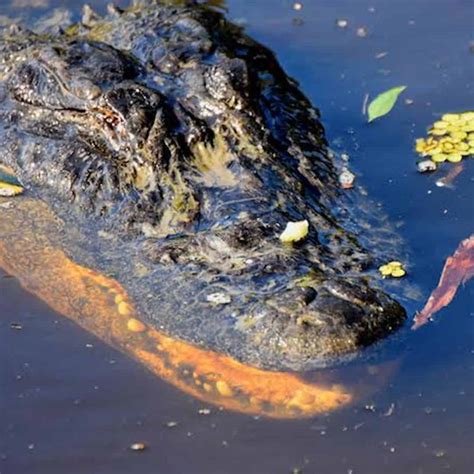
<point x="100" y="305"/>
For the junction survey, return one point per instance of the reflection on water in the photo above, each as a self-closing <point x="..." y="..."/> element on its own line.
<point x="67" y="408"/>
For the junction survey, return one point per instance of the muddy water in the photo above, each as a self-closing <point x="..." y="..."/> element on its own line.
<point x="71" y="404"/>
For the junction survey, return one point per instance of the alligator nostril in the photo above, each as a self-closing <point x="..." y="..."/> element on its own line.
<point x="308" y="295"/>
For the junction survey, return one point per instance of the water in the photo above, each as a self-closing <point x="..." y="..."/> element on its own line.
<point x="69" y="403"/>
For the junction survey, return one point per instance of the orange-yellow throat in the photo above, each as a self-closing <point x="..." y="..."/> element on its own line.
<point x="100" y="305"/>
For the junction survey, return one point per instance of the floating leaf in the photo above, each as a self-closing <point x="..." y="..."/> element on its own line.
<point x="295" y="231"/>
<point x="9" y="184"/>
<point x="457" y="270"/>
<point x="384" y="103"/>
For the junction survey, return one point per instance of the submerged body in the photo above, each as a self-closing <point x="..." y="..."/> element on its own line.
<point x="173" y="150"/>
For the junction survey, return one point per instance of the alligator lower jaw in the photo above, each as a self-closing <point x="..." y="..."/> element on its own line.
<point x="101" y="306"/>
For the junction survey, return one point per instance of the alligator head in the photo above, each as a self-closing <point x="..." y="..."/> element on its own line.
<point x="176" y="149"/>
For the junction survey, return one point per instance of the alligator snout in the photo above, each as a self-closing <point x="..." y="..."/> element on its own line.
<point x="308" y="327"/>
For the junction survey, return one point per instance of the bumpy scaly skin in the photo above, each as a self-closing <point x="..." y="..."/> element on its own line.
<point x="175" y="149"/>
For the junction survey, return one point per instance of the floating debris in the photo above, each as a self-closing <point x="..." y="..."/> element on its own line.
<point x="137" y="447"/>
<point x="297" y="6"/>
<point x="341" y="23"/>
<point x="390" y="410"/>
<point x="218" y="298"/>
<point x="295" y="231"/>
<point x="364" y="104"/>
<point x="392" y="269"/>
<point x="447" y="181"/>
<point x="16" y="326"/>
<point x="346" y="179"/>
<point x="426" y="166"/>
<point x="171" y="424"/>
<point x="362" y="32"/>
<point x="450" y="139"/>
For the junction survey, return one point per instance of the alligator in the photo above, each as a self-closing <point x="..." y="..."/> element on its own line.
<point x="170" y="150"/>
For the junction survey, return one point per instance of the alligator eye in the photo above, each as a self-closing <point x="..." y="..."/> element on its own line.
<point x="136" y="105"/>
<point x="86" y="90"/>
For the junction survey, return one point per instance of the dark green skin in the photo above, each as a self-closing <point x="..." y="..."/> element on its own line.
<point x="104" y="122"/>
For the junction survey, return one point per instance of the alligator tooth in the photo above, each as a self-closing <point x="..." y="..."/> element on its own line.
<point x="114" y="10"/>
<point x="15" y="29"/>
<point x="89" y="16"/>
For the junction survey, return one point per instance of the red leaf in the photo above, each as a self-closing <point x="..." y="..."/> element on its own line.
<point x="458" y="269"/>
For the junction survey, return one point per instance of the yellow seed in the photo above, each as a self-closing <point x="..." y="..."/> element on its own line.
<point x="459" y="135"/>
<point x="439" y="157"/>
<point x="135" y="325"/>
<point x="394" y="264"/>
<point x="463" y="146"/>
<point x="435" y="151"/>
<point x="224" y="389"/>
<point x="450" y="118"/>
<point x="468" y="115"/>
<point x="207" y="387"/>
<point x="469" y="126"/>
<point x="420" y="145"/>
<point x="440" y="124"/>
<point x="385" y="270"/>
<point x="124" y="308"/>
<point x="459" y="123"/>
<point x="438" y="131"/>
<point x="447" y="147"/>
<point x="398" y="273"/>
<point x="454" y="158"/>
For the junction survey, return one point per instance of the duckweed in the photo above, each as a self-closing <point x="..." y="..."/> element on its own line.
<point x="392" y="269"/>
<point x="449" y="139"/>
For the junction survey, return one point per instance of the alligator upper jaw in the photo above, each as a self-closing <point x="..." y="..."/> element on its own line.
<point x="311" y="328"/>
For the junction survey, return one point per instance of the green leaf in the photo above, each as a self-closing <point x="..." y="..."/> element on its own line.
<point x="384" y="103"/>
